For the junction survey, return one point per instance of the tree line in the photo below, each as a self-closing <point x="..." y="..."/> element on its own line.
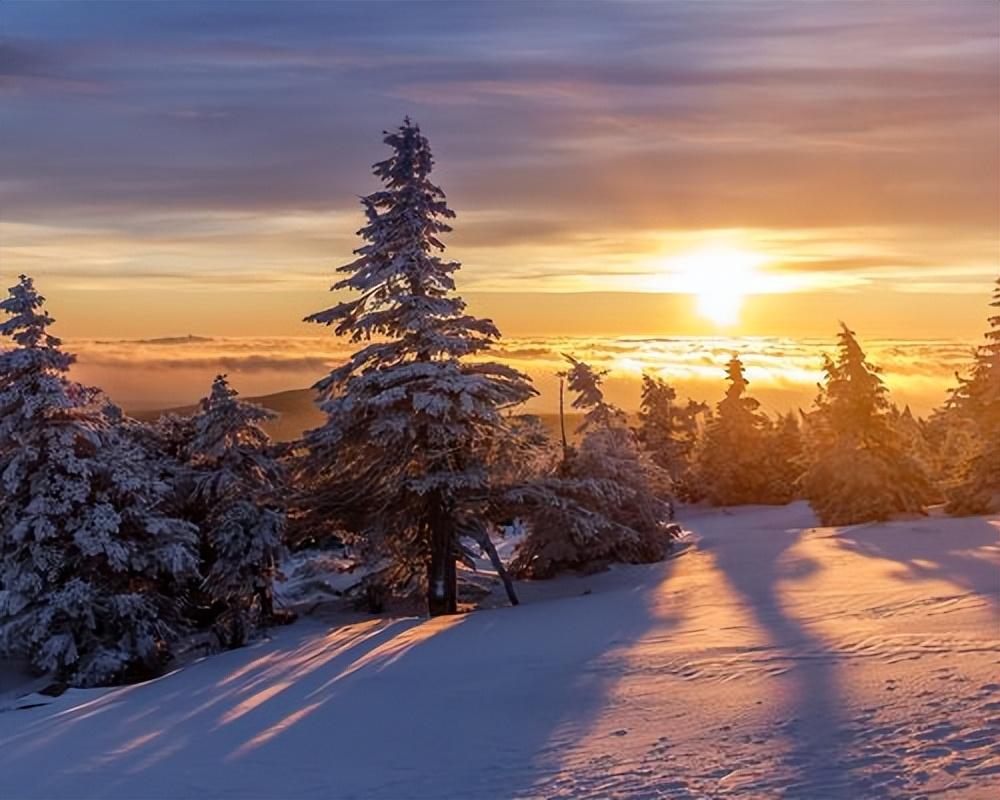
<point x="118" y="538"/>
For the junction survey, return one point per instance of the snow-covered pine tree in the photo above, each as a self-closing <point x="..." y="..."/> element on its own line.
<point x="859" y="469"/>
<point x="586" y="382"/>
<point x="913" y="437"/>
<point x="974" y="407"/>
<point x="783" y="445"/>
<point x="732" y="458"/>
<point x="668" y="430"/>
<point x="408" y="417"/>
<point x="606" y="501"/>
<point x="238" y="484"/>
<point x="608" y="450"/>
<point x="88" y="561"/>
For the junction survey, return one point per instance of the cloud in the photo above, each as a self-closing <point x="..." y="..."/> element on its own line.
<point x="568" y="133"/>
<point x="783" y="371"/>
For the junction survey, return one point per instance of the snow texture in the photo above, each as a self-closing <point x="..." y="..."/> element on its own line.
<point x="774" y="659"/>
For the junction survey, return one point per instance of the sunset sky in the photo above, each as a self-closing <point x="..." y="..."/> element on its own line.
<point x="645" y="169"/>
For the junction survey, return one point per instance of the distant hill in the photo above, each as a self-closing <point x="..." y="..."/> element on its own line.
<point x="298" y="413"/>
<point x="296" y="409"/>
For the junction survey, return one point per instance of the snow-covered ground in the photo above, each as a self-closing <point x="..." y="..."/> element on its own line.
<point x="772" y="659"/>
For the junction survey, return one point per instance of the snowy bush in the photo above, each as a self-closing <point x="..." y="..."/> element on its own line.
<point x="604" y="501"/>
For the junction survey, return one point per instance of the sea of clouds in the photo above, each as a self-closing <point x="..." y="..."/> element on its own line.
<point x="783" y="372"/>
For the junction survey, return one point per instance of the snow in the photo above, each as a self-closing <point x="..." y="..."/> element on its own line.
<point x="771" y="658"/>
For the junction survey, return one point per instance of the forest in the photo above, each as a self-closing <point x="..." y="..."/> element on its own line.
<point x="120" y="539"/>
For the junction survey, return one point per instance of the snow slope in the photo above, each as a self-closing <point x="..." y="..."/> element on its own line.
<point x="774" y="659"/>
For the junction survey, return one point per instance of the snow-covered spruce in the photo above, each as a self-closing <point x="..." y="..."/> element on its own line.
<point x="784" y="458"/>
<point x="604" y="501"/>
<point x="410" y="420"/>
<point x="974" y="407"/>
<point x="668" y="431"/>
<point x="736" y="459"/>
<point x="859" y="467"/>
<point x="237" y="484"/>
<point x="88" y="562"/>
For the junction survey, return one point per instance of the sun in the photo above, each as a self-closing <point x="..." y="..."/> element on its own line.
<point x="719" y="278"/>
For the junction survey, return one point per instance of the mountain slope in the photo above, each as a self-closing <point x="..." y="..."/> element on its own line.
<point x="296" y="409"/>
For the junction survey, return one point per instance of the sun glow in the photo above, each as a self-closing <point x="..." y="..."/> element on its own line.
<point x="719" y="278"/>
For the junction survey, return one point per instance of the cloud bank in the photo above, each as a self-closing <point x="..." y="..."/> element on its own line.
<point x="783" y="372"/>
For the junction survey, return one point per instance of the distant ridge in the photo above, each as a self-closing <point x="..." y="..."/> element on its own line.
<point x="298" y="413"/>
<point x="189" y="339"/>
<point x="296" y="409"/>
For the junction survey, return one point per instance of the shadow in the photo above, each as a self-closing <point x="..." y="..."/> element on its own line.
<point x="137" y="741"/>
<point x="381" y="708"/>
<point x="754" y="561"/>
<point x="964" y="551"/>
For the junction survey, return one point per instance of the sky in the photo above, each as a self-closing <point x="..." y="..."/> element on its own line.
<point x="668" y="169"/>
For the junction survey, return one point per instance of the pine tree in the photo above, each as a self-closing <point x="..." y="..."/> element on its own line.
<point x="586" y="382"/>
<point x="408" y="417"/>
<point x="237" y="483"/>
<point x="732" y="459"/>
<point x="974" y="408"/>
<point x="859" y="469"/>
<point x="668" y="431"/>
<point x="783" y="445"/>
<point x="88" y="562"/>
<point x="605" y="501"/>
<point x="912" y="435"/>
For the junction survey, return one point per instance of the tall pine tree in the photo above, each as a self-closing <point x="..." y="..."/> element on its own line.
<point x="409" y="418"/>
<point x="89" y="564"/>
<point x="731" y="462"/>
<point x="974" y="406"/>
<point x="859" y="468"/>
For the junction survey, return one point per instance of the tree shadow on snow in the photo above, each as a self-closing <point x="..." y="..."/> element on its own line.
<point x="964" y="551"/>
<point x="385" y="708"/>
<point x="817" y="739"/>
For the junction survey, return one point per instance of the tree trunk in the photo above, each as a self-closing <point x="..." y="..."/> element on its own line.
<point x="442" y="573"/>
<point x="562" y="422"/>
<point x="487" y="544"/>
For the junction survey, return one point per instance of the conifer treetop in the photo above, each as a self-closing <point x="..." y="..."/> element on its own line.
<point x="736" y="376"/>
<point x="993" y="334"/>
<point x="27" y="326"/>
<point x="656" y="391"/>
<point x="586" y="382"/>
<point x="229" y="441"/>
<point x="405" y="287"/>
<point x="28" y="322"/>
<point x="737" y="403"/>
<point x="227" y="422"/>
<point x="854" y="391"/>
<point x="33" y="379"/>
